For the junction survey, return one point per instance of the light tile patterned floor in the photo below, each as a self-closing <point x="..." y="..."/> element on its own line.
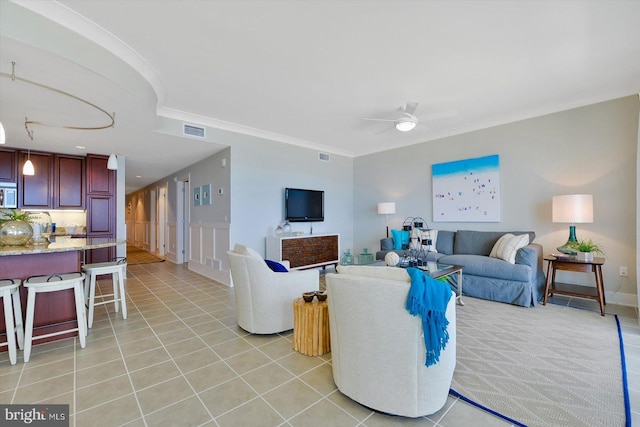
<point x="181" y="360"/>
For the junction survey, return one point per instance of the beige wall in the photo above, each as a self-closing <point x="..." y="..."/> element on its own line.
<point x="586" y="150"/>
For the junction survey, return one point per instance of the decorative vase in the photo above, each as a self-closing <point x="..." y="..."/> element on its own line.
<point x="15" y="233"/>
<point x="41" y="225"/>
<point x="347" y="258"/>
<point x="365" y="257"/>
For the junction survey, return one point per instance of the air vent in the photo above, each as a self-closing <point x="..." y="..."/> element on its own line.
<point x="192" y="130"/>
<point x="325" y="157"/>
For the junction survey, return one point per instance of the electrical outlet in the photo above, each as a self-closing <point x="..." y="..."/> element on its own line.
<point x="624" y="272"/>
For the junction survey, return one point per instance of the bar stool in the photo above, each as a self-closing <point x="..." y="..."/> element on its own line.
<point x="54" y="283"/>
<point x="10" y="294"/>
<point x="117" y="269"/>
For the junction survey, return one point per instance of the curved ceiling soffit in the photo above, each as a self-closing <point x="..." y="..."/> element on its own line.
<point x="125" y="66"/>
<point x="133" y="73"/>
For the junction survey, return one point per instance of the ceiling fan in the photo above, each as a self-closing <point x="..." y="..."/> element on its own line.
<point x="407" y="121"/>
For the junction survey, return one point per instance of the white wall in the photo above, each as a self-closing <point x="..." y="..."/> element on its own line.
<point x="262" y="169"/>
<point x="586" y="150"/>
<point x="252" y="177"/>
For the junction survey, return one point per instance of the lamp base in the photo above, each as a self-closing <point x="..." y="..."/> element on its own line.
<point x="567" y="248"/>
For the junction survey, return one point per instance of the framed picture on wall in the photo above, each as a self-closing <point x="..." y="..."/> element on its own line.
<point x="467" y="190"/>
<point x="206" y="194"/>
<point x="196" y="196"/>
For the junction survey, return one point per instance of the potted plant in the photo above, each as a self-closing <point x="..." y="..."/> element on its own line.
<point x="586" y="249"/>
<point x="14" y="228"/>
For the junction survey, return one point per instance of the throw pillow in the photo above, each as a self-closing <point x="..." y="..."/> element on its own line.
<point x="427" y="235"/>
<point x="400" y="237"/>
<point x="508" y="245"/>
<point x="276" y="266"/>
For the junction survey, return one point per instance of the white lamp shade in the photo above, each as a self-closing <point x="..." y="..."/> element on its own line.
<point x="573" y="208"/>
<point x="387" y="208"/>
<point x="3" y="136"/>
<point x="28" y="169"/>
<point x="112" y="163"/>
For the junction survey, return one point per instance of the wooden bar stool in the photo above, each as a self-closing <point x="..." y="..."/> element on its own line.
<point x="10" y="294"/>
<point x="117" y="270"/>
<point x="54" y="283"/>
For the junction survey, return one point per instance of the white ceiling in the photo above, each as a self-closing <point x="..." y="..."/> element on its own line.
<point x="302" y="72"/>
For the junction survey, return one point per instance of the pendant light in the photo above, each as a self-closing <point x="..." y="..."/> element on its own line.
<point x="112" y="163"/>
<point x="28" y="169"/>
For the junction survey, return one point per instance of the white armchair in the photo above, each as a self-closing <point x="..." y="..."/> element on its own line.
<point x="264" y="298"/>
<point x="377" y="347"/>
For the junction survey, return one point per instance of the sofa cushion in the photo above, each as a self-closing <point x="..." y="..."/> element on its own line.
<point x="386" y="244"/>
<point x="468" y="242"/>
<point x="485" y="266"/>
<point x="508" y="245"/>
<point x="444" y="243"/>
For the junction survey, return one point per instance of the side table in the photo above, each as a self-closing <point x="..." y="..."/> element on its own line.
<point x="571" y="264"/>
<point x="311" y="327"/>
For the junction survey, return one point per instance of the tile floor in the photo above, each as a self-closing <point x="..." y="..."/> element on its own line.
<point x="181" y="360"/>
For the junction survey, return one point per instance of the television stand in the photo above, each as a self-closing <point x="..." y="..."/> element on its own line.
<point x="305" y="251"/>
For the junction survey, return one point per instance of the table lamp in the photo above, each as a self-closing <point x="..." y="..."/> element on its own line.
<point x="387" y="208"/>
<point x="572" y="208"/>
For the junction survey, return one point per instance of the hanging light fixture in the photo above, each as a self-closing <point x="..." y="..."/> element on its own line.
<point x="112" y="163"/>
<point x="28" y="169"/>
<point x="110" y="117"/>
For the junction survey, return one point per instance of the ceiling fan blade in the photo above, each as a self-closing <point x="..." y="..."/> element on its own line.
<point x="411" y="107"/>
<point x="388" y="129"/>
<point x="379" y="120"/>
<point x="442" y="115"/>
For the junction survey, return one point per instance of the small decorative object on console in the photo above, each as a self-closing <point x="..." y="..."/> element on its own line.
<point x="347" y="258"/>
<point x="365" y="257"/>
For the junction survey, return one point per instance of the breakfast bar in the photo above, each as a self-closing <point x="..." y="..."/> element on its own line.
<point x="54" y="311"/>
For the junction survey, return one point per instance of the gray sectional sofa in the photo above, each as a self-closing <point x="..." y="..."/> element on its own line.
<point x="485" y="277"/>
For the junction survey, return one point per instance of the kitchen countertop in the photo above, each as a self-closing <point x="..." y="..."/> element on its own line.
<point x="61" y="244"/>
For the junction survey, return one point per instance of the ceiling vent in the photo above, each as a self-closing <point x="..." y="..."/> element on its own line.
<point x="192" y="130"/>
<point x="325" y="157"/>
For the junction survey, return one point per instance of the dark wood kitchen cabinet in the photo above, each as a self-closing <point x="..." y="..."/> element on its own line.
<point x="101" y="206"/>
<point x="58" y="182"/>
<point x="8" y="165"/>
<point x="36" y="191"/>
<point x="69" y="182"/>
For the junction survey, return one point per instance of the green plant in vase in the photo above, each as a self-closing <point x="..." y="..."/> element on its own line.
<point x="14" y="228"/>
<point x="586" y="249"/>
<point x="15" y="215"/>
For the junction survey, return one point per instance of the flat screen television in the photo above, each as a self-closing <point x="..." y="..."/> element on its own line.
<point x="303" y="205"/>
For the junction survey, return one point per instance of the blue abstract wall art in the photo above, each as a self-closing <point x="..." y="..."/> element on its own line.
<point x="467" y="190"/>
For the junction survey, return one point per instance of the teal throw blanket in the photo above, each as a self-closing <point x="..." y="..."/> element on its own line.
<point x="428" y="298"/>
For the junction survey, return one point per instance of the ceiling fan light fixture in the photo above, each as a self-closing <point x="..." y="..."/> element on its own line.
<point x="405" y="124"/>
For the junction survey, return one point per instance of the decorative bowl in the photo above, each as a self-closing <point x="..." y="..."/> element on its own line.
<point x="322" y="295"/>
<point x="308" y="296"/>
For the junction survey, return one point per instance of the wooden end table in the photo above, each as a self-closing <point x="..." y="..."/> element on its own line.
<point x="311" y="327"/>
<point x="572" y="264"/>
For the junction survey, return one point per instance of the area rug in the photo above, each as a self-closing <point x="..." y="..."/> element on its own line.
<point x="544" y="366"/>
<point x="136" y="255"/>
